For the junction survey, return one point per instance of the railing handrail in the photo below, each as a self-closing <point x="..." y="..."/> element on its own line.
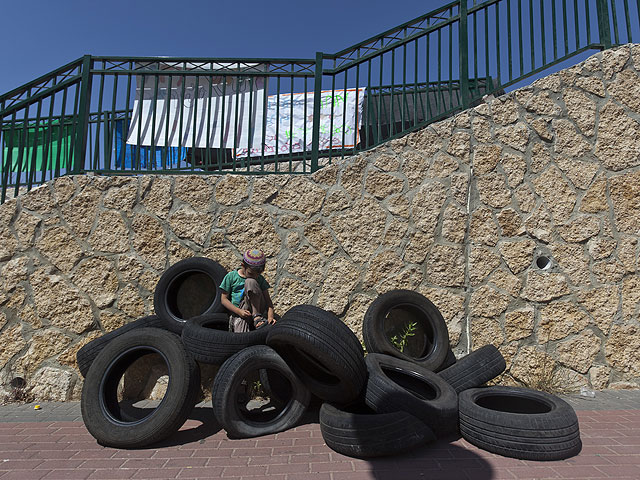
<point x="388" y="95"/>
<point x="38" y="81"/>
<point x="391" y="31"/>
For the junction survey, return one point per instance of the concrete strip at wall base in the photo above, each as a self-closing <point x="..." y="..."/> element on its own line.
<point x="519" y="219"/>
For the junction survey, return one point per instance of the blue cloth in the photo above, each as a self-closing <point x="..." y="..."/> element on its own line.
<point x="150" y="159"/>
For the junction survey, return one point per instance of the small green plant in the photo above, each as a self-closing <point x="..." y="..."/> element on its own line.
<point x="400" y="341"/>
<point x="256" y="390"/>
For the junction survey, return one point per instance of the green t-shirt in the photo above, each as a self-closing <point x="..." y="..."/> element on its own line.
<point x="233" y="284"/>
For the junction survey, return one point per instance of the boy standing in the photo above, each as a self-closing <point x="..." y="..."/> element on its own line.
<point x="245" y="294"/>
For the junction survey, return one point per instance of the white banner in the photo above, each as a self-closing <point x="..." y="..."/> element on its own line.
<point x="198" y="112"/>
<point x="289" y="125"/>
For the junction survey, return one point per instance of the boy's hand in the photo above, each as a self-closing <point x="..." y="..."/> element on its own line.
<point x="246" y="314"/>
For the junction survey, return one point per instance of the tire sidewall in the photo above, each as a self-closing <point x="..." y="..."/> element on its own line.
<point x="167" y="416"/>
<point x="177" y="272"/>
<point x="228" y="380"/>
<point x="377" y="342"/>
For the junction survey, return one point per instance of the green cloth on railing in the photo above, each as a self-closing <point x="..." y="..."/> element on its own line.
<point x="46" y="145"/>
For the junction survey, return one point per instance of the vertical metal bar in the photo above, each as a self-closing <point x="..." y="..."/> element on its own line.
<point x="416" y="94"/>
<point x="509" y="46"/>
<point x="380" y="102"/>
<point x="24" y="139"/>
<point x="208" y="159"/>
<point x="265" y="107"/>
<point x="49" y="140"/>
<point x="194" y="140"/>
<point x="317" y="89"/>
<point x="291" y="90"/>
<point x="236" y="121"/>
<point x="588" y="17"/>
<point x="532" y="37"/>
<point x="427" y="112"/>
<point x="332" y="100"/>
<point x="464" y="56"/>
<point x="392" y="125"/>
<point x="56" y="172"/>
<point x="497" y="38"/>
<point x="367" y="122"/>
<point x="304" y="132"/>
<point x="112" y="126"/>
<point x="627" y="18"/>
<point x="358" y="119"/>
<point x="278" y="123"/>
<point x="7" y="164"/>
<point x="565" y="29"/>
<point x="138" y="159"/>
<point x="554" y="31"/>
<point x="125" y="123"/>
<point x="614" y="13"/>
<point x="576" y="23"/>
<point x="167" y="156"/>
<point x="404" y="85"/>
<point x="439" y="45"/>
<point x="223" y="122"/>
<point x="543" y="35"/>
<point x="83" y="119"/>
<point x="450" y="29"/>
<point x="476" y="61"/>
<point x="31" y="165"/>
<point x="520" y="44"/>
<point x="344" y="111"/>
<point x="181" y="136"/>
<point x="151" y="161"/>
<point x="96" y="155"/>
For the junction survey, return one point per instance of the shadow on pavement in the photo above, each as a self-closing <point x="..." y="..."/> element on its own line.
<point x="208" y="427"/>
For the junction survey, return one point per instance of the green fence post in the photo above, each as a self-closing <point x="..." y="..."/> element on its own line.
<point x="463" y="39"/>
<point x="604" y="27"/>
<point x="83" y="116"/>
<point x="317" y="92"/>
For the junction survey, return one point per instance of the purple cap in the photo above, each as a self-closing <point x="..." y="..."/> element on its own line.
<point x="254" y="258"/>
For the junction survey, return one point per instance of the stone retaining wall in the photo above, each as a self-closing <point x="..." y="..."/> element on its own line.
<point x="519" y="219"/>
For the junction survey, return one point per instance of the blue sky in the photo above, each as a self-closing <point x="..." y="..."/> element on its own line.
<point x="41" y="35"/>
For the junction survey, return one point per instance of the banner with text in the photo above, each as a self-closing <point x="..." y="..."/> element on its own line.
<point x="289" y="123"/>
<point x="196" y="111"/>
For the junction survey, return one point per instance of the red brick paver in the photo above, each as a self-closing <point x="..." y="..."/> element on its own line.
<point x="65" y="450"/>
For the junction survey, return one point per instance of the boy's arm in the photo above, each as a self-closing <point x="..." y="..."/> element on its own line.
<point x="226" y="303"/>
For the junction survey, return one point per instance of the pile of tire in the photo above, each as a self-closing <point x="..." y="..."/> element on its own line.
<point x="408" y="390"/>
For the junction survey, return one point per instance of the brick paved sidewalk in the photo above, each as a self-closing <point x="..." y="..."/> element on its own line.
<point x="52" y="443"/>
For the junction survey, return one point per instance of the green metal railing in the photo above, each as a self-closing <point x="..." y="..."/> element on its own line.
<point x="128" y="115"/>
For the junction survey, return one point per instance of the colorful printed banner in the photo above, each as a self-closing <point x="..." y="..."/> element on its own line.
<point x="198" y="111"/>
<point x="289" y="122"/>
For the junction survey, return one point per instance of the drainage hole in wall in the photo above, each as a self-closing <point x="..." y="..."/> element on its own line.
<point x="543" y="262"/>
<point x="18" y="382"/>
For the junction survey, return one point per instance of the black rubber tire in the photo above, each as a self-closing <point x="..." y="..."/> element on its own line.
<point x="519" y="422"/>
<point x="360" y="432"/>
<point x="475" y="369"/>
<point x="322" y="351"/>
<point x="428" y="347"/>
<point x="228" y="412"/>
<point x="396" y="385"/>
<point x="188" y="288"/>
<point x="449" y="360"/>
<point x="87" y="354"/>
<point x="208" y="339"/>
<point x="108" y="421"/>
